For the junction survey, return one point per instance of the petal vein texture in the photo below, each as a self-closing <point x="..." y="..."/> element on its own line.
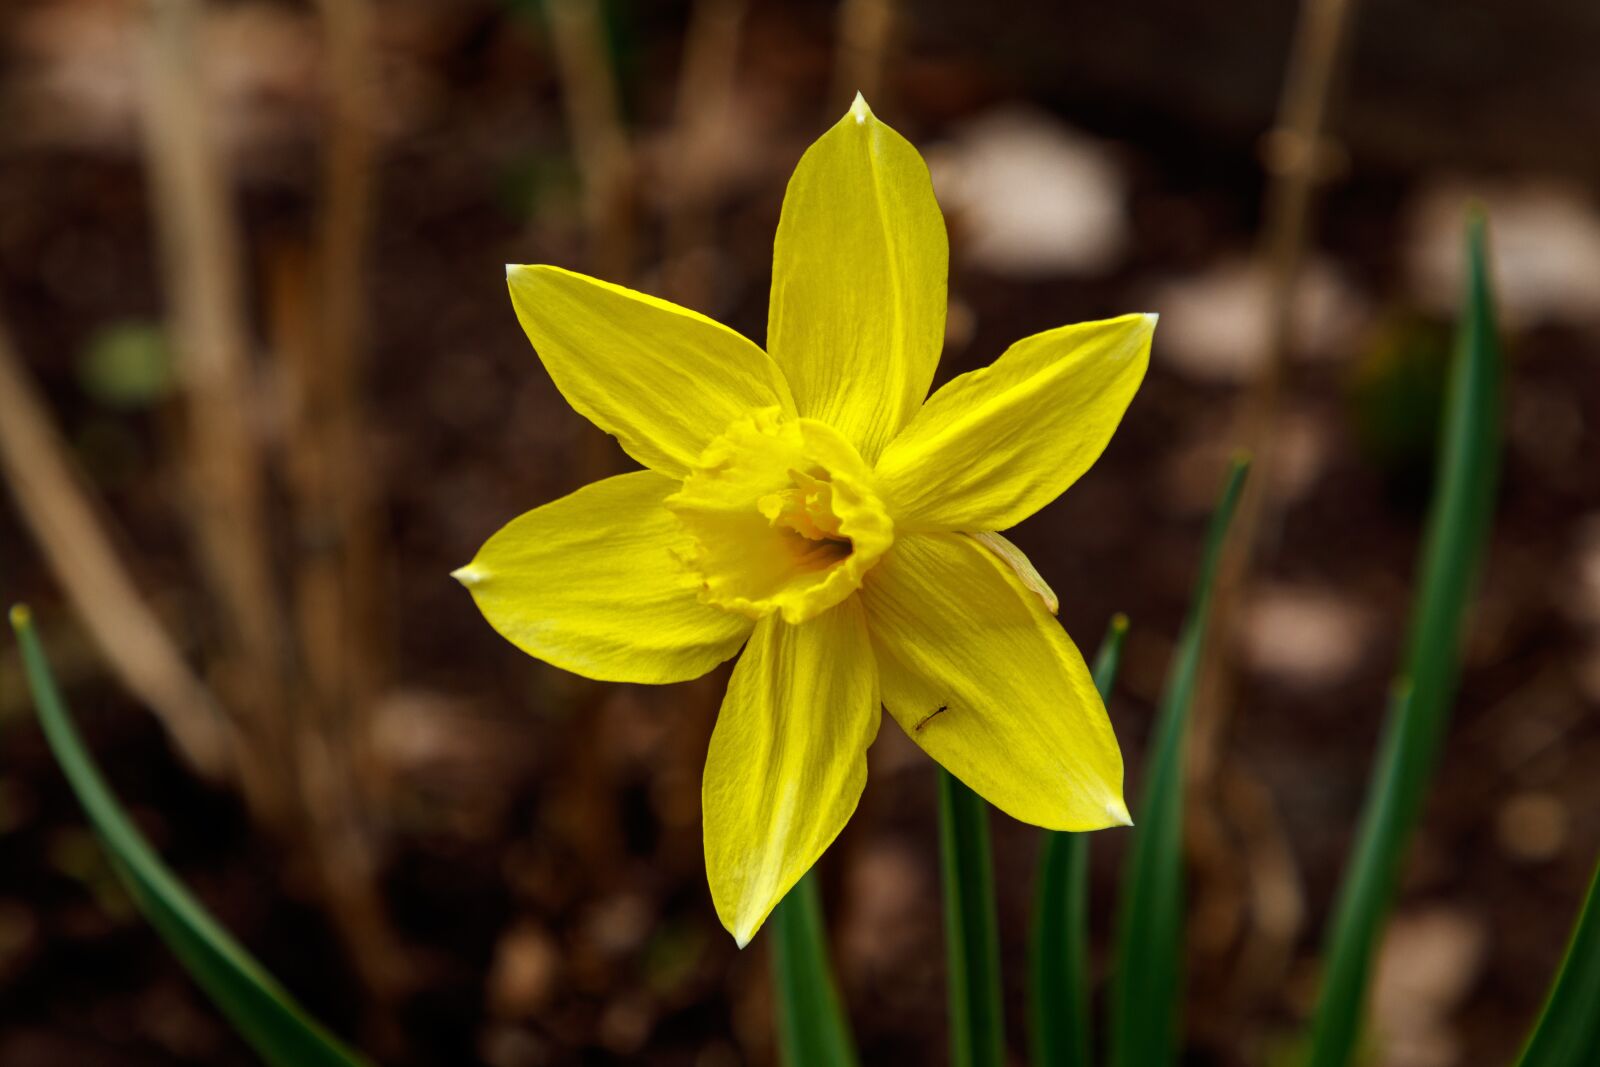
<point x="593" y="583"/>
<point x="856" y="319"/>
<point x="953" y="628"/>
<point x="788" y="759"/>
<point x="661" y="379"/>
<point x="997" y="444"/>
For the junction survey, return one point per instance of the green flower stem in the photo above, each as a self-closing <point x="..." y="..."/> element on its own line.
<point x="1058" y="1002"/>
<point x="1146" y="987"/>
<point x="267" y="1017"/>
<point x="972" y="940"/>
<point x="812" y="1028"/>
<point x="1568" y="1034"/>
<point x="1458" y="529"/>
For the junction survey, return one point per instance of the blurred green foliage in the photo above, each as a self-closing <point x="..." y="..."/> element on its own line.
<point x="127" y="365"/>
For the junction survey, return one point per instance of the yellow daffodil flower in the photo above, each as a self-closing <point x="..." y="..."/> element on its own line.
<point x="808" y="504"/>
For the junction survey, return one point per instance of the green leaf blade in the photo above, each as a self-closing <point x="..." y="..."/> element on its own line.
<point x="1568" y="1031"/>
<point x="1146" y="983"/>
<point x="971" y="928"/>
<point x="1058" y="1002"/>
<point x="253" y="1001"/>
<point x="1457" y="533"/>
<point x="812" y="1028"/>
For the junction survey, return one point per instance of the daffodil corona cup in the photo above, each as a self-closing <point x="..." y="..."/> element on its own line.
<point x="813" y="506"/>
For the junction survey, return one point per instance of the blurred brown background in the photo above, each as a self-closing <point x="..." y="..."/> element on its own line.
<point x="261" y="389"/>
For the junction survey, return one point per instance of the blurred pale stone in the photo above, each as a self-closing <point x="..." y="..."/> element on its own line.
<point x="1589" y="672"/>
<point x="626" y="1023"/>
<point x="1307" y="637"/>
<point x="18" y="934"/>
<point x="1583" y="591"/>
<point x="1547" y="425"/>
<point x="1545" y="235"/>
<point x="446" y="760"/>
<point x="960" y="323"/>
<point x="76" y="81"/>
<point x="512" y="1046"/>
<point x="1300" y="448"/>
<point x="1193" y="469"/>
<point x="619" y="923"/>
<point x="1214" y="325"/>
<point x="80" y="85"/>
<point x="1030" y="196"/>
<point x="1429" y="962"/>
<point x="884" y="887"/>
<point x="718" y="1054"/>
<point x="523" y="973"/>
<point x="1532" y="826"/>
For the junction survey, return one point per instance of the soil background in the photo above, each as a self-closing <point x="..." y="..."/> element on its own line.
<point x="541" y="862"/>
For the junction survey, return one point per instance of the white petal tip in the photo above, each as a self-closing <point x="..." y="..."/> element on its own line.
<point x="1152" y="317"/>
<point x="859" y="109"/>
<point x="514" y="269"/>
<point x="743" y="940"/>
<point x="467" y="576"/>
<point x="1118" y="810"/>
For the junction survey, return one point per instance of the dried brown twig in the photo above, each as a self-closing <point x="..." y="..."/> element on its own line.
<point x="705" y="94"/>
<point x="865" y="30"/>
<point x="1297" y="156"/>
<point x="317" y="331"/>
<point x="306" y="699"/>
<point x="600" y="142"/>
<point x="57" y="506"/>
<point x="200" y="250"/>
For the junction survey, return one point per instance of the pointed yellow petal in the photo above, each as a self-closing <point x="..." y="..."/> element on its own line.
<point x="660" y="378"/>
<point x="1022" y="567"/>
<point x="997" y="444"/>
<point x="593" y="584"/>
<point x="979" y="674"/>
<point x="788" y="759"/>
<point x="858" y="281"/>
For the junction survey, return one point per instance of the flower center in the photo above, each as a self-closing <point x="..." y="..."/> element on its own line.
<point x="782" y="517"/>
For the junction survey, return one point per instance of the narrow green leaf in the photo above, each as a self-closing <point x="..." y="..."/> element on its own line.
<point x="971" y="930"/>
<point x="1145" y="986"/>
<point x="1568" y="1033"/>
<point x="258" y="1007"/>
<point x="1458" y="529"/>
<point x="1058" y="965"/>
<point x="812" y="1028"/>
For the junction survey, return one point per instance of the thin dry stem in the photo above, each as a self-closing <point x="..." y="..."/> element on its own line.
<point x="333" y="396"/>
<point x="705" y="95"/>
<point x="316" y="302"/>
<point x="599" y="140"/>
<point x="56" y="503"/>
<point x="1296" y="157"/>
<point x="866" y="30"/>
<point x="222" y="460"/>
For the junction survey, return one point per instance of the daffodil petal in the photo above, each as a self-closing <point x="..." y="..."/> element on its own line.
<point x="788" y="759"/>
<point x="660" y="378"/>
<point x="1022" y="567"/>
<point x="594" y="584"/>
<point x="980" y="675"/>
<point x="858" y="281"/>
<point x="997" y="444"/>
<point x="753" y="505"/>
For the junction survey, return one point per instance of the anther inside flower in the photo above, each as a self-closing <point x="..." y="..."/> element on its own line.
<point x="783" y="516"/>
<point x="812" y="505"/>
